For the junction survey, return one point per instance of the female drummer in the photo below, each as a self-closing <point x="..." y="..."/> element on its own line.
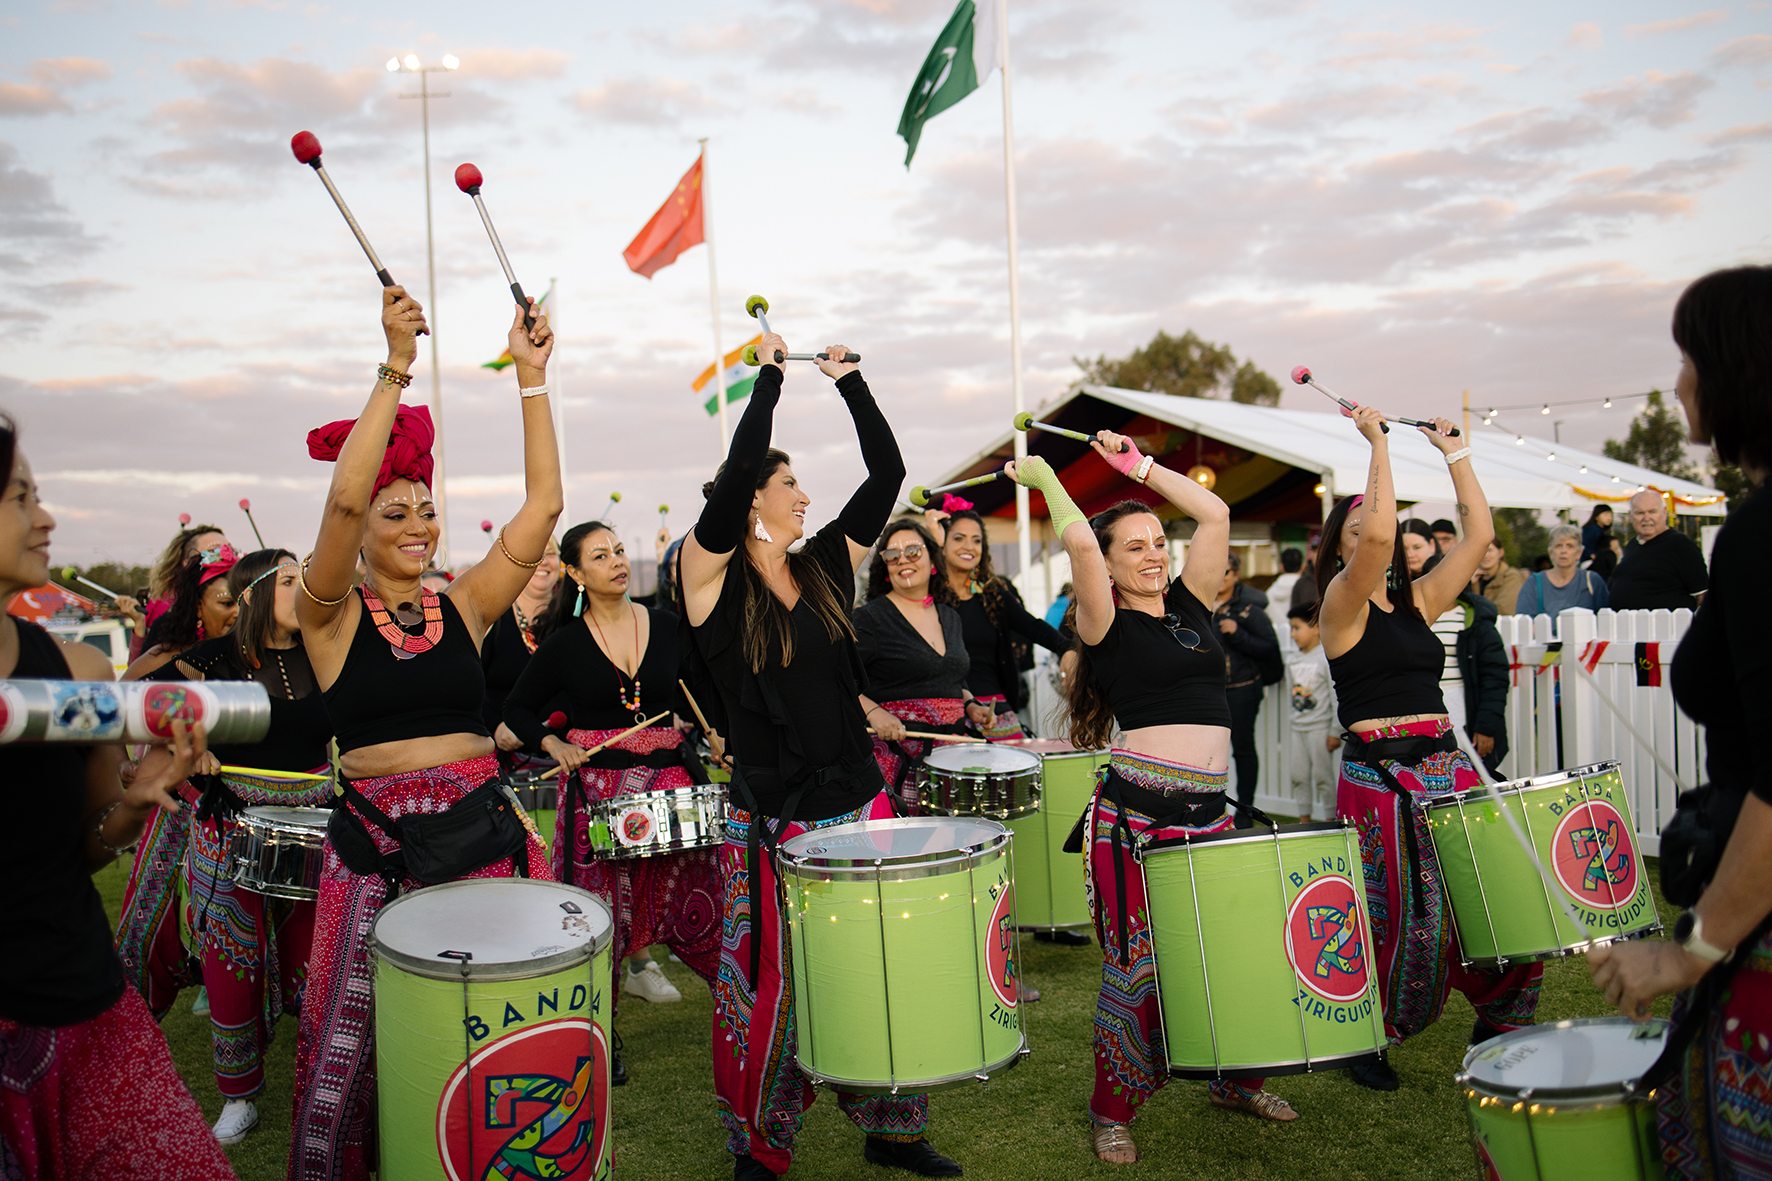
<point x="991" y="614"/>
<point x="773" y="628"/>
<point x="1150" y="660"/>
<point x="87" y="1087"/>
<point x="1401" y="748"/>
<point x="202" y="608"/>
<point x="1713" y="1110"/>
<point x="914" y="651"/>
<point x="512" y="641"/>
<point x="254" y="949"/>
<point x="617" y="664"/>
<point x="186" y="544"/>
<point x="399" y="667"/>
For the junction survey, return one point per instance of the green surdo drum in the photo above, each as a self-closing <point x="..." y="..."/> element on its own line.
<point x="1552" y="1102"/>
<point x="492" y="1032"/>
<point x="1048" y="881"/>
<point x="1264" y="951"/>
<point x="906" y="973"/>
<point x="1579" y="822"/>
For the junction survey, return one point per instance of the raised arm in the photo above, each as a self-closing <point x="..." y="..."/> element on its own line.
<point x="866" y="513"/>
<point x="1094" y="595"/>
<point x="487" y="591"/>
<point x="1438" y="589"/>
<point x="1207" y="553"/>
<point x="1348" y="591"/>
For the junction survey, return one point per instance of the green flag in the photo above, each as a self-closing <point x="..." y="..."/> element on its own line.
<point x="962" y="57"/>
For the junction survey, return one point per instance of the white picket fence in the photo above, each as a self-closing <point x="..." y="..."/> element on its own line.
<point x="1546" y="656"/>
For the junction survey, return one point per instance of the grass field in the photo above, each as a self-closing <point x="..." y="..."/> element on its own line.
<point x="1030" y="1123"/>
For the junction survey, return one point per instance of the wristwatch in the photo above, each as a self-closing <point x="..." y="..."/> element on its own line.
<point x="1689" y="934"/>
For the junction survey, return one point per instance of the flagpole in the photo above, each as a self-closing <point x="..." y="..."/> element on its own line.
<point x="707" y="233"/>
<point x="1023" y="548"/>
<point x="558" y="396"/>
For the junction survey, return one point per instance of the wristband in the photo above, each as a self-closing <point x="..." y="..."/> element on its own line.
<point x="98" y="830"/>
<point x="1453" y="457"/>
<point x="1143" y="470"/>
<point x="1034" y="472"/>
<point x="533" y="391"/>
<point x="1128" y="462"/>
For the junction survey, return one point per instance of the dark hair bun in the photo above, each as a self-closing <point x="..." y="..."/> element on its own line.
<point x="707" y="490"/>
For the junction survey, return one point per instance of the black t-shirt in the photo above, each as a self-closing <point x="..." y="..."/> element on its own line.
<point x="569" y="665"/>
<point x="1719" y="672"/>
<point x="983" y="641"/>
<point x="900" y="663"/>
<point x="57" y="964"/>
<point x="1152" y="678"/>
<point x="1664" y="572"/>
<point x="504" y="654"/>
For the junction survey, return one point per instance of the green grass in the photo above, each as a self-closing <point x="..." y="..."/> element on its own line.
<point x="1030" y="1123"/>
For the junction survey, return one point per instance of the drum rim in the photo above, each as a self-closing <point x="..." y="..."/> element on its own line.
<point x="270" y="824"/>
<point x="432" y="968"/>
<point x="1291" y="1066"/>
<point x="959" y="749"/>
<point x="1593" y="1095"/>
<point x="692" y="790"/>
<point x="876" y="1087"/>
<point x="1451" y="799"/>
<point x="998" y="816"/>
<point x="1558" y="953"/>
<point x="921" y="865"/>
<point x="1232" y="836"/>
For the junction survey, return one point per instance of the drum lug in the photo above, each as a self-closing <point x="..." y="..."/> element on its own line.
<point x="984" y="1081"/>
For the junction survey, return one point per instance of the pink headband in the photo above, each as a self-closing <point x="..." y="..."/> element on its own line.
<point x="1356" y="502"/>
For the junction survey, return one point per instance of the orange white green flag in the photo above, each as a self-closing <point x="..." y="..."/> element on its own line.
<point x="504" y="359"/>
<point x="738" y="377"/>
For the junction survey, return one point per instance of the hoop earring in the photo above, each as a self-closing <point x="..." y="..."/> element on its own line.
<point x="762" y="533"/>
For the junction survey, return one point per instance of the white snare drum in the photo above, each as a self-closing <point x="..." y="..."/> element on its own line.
<point x="652" y="822"/>
<point x="978" y="779"/>
<point x="279" y="851"/>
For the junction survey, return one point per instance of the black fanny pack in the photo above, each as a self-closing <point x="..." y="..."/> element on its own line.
<point x="1692" y="843"/>
<point x="477" y="830"/>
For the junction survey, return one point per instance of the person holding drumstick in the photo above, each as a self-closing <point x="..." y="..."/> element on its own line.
<point x="914" y="652"/>
<point x="616" y="664"/>
<point x="1401" y="747"/>
<point x="773" y="628"/>
<point x="1148" y="657"/>
<point x="400" y="669"/>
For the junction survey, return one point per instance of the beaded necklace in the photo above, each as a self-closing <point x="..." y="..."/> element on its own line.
<point x="404" y="644"/>
<point x="620" y="692"/>
<point x="524" y="628"/>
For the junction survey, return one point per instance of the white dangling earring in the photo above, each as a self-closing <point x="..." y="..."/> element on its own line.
<point x="762" y="533"/>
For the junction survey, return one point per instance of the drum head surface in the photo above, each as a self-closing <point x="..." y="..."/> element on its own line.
<point x="512" y="927"/>
<point x="978" y="758"/>
<point x="281" y="817"/>
<point x="1590" y="1056"/>
<point x="913" y="838"/>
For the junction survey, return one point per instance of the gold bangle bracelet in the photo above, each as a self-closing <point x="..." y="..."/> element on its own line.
<point x="301" y="579"/>
<point x="514" y="561"/>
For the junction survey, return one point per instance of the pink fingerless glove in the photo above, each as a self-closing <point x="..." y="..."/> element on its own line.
<point x="1130" y="463"/>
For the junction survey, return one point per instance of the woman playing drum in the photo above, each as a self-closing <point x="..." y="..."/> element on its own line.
<point x="1150" y="659"/>
<point x="1401" y="748"/>
<point x="400" y="669"/>
<point x="616" y="664"/>
<point x="773" y="628"/>
<point x="914" y="652"/>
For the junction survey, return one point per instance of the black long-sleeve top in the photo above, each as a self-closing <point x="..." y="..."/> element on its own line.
<point x="799" y="728"/>
<point x="569" y="664"/>
<point x="901" y="664"/>
<point x="993" y="658"/>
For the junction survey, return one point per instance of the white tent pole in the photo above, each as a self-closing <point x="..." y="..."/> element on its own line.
<point x="707" y="233"/>
<point x="1023" y="548"/>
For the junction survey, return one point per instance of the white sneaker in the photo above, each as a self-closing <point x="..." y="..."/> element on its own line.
<point x="200" y="1006"/>
<point x="238" y="1117"/>
<point x="650" y="984"/>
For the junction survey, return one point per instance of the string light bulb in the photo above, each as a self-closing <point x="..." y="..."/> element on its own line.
<point x="1584" y="469"/>
<point x="1546" y="409"/>
<point x="1552" y="456"/>
<point x="1606" y="405"/>
<point x="1519" y="440"/>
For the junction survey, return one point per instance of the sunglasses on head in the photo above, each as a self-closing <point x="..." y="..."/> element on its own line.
<point x="1187" y="637"/>
<point x="909" y="553"/>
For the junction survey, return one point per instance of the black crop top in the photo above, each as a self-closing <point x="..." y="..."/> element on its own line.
<point x="300" y="729"/>
<point x="380" y="697"/>
<point x="1151" y="678"/>
<point x="1393" y="672"/>
<point x="570" y="663"/>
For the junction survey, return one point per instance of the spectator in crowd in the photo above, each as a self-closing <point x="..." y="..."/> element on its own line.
<point x="1314" y="735"/>
<point x="1474" y="681"/>
<point x="1445" y="535"/>
<point x="1279" y="591"/>
<point x="1304" y="591"/>
<point x="1565" y="584"/>
<point x="1055" y="613"/>
<point x="1596" y="539"/>
<point x="1252" y="660"/>
<point x="1497" y="581"/>
<point x="1661" y="567"/>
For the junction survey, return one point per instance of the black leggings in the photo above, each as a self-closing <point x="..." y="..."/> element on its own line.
<point x="1245" y="703"/>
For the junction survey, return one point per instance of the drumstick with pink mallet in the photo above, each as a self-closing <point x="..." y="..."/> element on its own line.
<point x="246" y="507"/>
<point x="469" y="179"/>
<point x="1302" y="375"/>
<point x="306" y="147"/>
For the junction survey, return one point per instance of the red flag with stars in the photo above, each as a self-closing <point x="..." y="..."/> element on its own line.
<point x="673" y="229"/>
<point x="1648" y="665"/>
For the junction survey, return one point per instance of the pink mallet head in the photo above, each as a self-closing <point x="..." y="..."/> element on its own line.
<point x="486" y="526"/>
<point x="468" y="179"/>
<point x="1301" y="374"/>
<point x="184" y="518"/>
<point x="306" y="147"/>
<point x="245" y="505"/>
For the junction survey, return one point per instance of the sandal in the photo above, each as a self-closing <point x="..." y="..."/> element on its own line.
<point x="1262" y="1105"/>
<point x="1115" y="1139"/>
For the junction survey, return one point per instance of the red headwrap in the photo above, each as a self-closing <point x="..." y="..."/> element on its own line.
<point x="408" y="456"/>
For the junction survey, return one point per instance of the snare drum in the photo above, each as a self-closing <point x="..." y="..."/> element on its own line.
<point x="1579" y="822"/>
<point x="279" y="851"/>
<point x="1553" y="1101"/>
<point x="648" y="823"/>
<point x="1048" y="881"/>
<point x="492" y="1031"/>
<point x="981" y="779"/>
<point x="1263" y="951"/>
<point x="906" y="973"/>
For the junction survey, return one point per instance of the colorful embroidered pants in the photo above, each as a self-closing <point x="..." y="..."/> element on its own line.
<point x="1715" y="1114"/>
<point x="1006" y="727"/>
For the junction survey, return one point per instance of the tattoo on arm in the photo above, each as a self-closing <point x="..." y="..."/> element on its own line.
<point x="1464" y="510"/>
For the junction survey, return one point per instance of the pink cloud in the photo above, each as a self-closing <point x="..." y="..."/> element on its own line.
<point x="1697" y="20"/>
<point x="1658" y="99"/>
<point x="1750" y="52"/>
<point x="1586" y="35"/>
<point x="1745" y="133"/>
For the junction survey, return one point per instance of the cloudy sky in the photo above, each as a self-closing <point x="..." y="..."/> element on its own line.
<point x="1414" y="199"/>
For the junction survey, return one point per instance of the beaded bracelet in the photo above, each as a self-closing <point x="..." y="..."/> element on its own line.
<point x="514" y="561"/>
<point x="302" y="581"/>
<point x="393" y="376"/>
<point x="1453" y="457"/>
<point x="533" y="391"/>
<point x="98" y="830"/>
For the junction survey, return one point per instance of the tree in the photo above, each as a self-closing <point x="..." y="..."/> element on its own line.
<point x="1731" y="483"/>
<point x="1521" y="535"/>
<point x="1657" y="441"/>
<point x="1184" y="366"/>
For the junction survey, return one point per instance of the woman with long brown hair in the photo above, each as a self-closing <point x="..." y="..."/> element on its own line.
<point x="399" y="666"/>
<point x="189" y="541"/>
<point x="201" y="607"/>
<point x="1149" y="659"/>
<point x="1401" y="746"/>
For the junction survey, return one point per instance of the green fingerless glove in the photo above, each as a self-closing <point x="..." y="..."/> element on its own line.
<point x="1035" y="472"/>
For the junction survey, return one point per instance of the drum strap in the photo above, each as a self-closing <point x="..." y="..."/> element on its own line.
<point x="1705" y="996"/>
<point x="1164" y="811"/>
<point x="761" y="837"/>
<point x="1372" y="755"/>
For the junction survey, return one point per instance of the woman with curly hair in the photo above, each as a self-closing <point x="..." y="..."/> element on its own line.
<point x="201" y="607"/>
<point x="185" y="544"/>
<point x="914" y="652"/>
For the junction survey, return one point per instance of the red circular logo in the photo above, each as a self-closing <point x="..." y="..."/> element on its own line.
<point x="537" y="1103"/>
<point x="1000" y="949"/>
<point x="1323" y="940"/>
<point x="163" y="705"/>
<point x="1595" y="858"/>
<point x="1485" y="1162"/>
<point x="636" y="826"/>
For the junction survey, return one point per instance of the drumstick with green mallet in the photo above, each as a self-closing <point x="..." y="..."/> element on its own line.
<point x="758" y="307"/>
<point x="920" y="495"/>
<point x="1026" y="422"/>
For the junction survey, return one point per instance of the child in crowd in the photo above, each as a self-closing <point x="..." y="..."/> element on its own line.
<point x="1313" y="720"/>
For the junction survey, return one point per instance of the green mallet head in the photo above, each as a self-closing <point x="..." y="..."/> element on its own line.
<point x="749" y="355"/>
<point x="68" y="573"/>
<point x="919" y="496"/>
<point x="1023" y="421"/>
<point x="755" y="302"/>
<point x="615" y="498"/>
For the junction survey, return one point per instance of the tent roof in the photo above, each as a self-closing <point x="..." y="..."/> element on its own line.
<point x="1269" y="459"/>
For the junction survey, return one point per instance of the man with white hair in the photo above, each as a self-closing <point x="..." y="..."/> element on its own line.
<point x="1661" y="567"/>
